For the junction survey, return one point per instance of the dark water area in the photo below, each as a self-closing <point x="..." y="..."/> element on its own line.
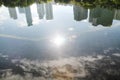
<point x="59" y="40"/>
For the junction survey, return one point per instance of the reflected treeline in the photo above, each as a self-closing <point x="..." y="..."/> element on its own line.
<point x="102" y="16"/>
<point x="92" y="3"/>
<point x="20" y="3"/>
<point x="80" y="13"/>
<point x="96" y="16"/>
<point x="84" y="3"/>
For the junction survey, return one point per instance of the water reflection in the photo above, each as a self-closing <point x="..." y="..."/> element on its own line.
<point x="86" y="68"/>
<point x="63" y="43"/>
<point x="80" y="36"/>
<point x="13" y="13"/>
<point x="25" y="10"/>
<point x="42" y="9"/>
<point x="97" y="16"/>
<point x="49" y="11"/>
<point x="58" y="40"/>
<point x="117" y="14"/>
<point x="28" y="16"/>
<point x="80" y="13"/>
<point x="100" y="16"/>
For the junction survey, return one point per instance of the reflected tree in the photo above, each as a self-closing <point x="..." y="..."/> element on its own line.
<point x="84" y="3"/>
<point x="116" y="1"/>
<point x="23" y="3"/>
<point x="42" y="1"/>
<point x="0" y="2"/>
<point x="10" y="3"/>
<point x="14" y="3"/>
<point x="63" y="1"/>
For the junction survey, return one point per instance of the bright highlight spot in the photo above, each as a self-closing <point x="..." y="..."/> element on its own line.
<point x="58" y="40"/>
<point x="71" y="29"/>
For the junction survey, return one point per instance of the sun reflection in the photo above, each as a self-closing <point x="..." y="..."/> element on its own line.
<point x="58" y="40"/>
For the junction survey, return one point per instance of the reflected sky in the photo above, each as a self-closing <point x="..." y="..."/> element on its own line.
<point x="47" y="29"/>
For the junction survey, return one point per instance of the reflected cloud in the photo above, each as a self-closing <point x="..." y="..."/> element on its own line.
<point x="72" y="68"/>
<point x="117" y="54"/>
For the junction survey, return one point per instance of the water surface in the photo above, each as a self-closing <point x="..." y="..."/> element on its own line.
<point x="63" y="33"/>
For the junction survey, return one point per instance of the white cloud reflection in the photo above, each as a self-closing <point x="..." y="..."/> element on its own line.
<point x="71" y="68"/>
<point x="64" y="68"/>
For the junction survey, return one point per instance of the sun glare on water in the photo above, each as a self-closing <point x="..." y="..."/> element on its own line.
<point x="58" y="40"/>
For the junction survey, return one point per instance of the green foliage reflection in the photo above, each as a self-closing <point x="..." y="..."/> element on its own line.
<point x="84" y="3"/>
